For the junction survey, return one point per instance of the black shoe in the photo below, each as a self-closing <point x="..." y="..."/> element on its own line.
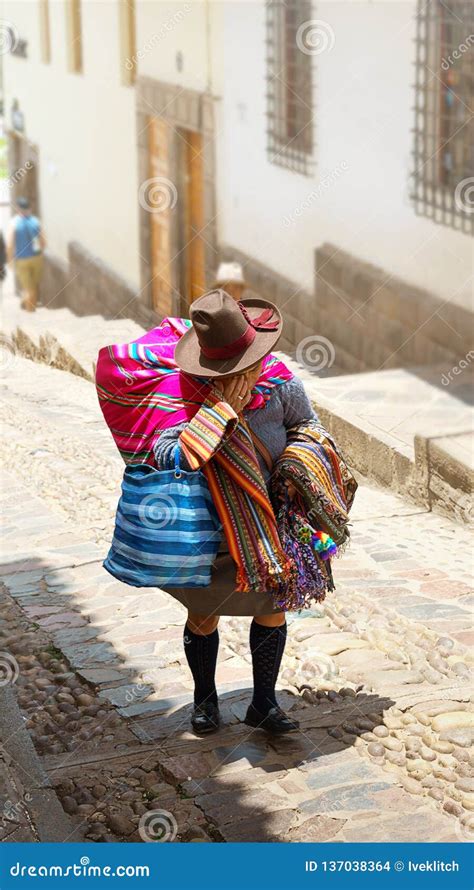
<point x="276" y="721"/>
<point x="205" y="718"/>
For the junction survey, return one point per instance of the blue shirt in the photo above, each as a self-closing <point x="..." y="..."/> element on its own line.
<point x="27" y="231"/>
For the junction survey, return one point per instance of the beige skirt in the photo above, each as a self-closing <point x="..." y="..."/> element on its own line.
<point x="220" y="596"/>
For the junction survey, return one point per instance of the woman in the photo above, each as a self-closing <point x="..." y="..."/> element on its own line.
<point x="228" y="345"/>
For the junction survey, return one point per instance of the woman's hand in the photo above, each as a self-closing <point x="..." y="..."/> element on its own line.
<point x="235" y="391"/>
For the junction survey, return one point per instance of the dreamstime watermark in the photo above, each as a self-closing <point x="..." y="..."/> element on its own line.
<point x="13" y="812"/>
<point x="324" y="667"/>
<point x="446" y="379"/>
<point x="9" y="37"/>
<point x="7" y="353"/>
<point x="322" y="187"/>
<point x="165" y="29"/>
<point x="141" y="689"/>
<point x="156" y="511"/>
<point x="9" y="669"/>
<point x="81" y="869"/>
<point x="456" y="54"/>
<point x="18" y="175"/>
<point x="315" y="353"/>
<point x="464" y="195"/>
<point x="315" y="37"/>
<point x="158" y="827"/>
<point x="464" y="828"/>
<point x="157" y="194"/>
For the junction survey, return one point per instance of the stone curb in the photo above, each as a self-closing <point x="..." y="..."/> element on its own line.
<point x="44" y="813"/>
<point x="424" y="473"/>
<point x="448" y="479"/>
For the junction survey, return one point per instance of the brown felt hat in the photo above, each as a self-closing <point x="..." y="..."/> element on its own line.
<point x="227" y="337"/>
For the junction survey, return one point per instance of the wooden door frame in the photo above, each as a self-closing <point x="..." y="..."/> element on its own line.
<point x="23" y="158"/>
<point x="182" y="110"/>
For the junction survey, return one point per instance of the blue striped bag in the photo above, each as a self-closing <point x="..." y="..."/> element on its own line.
<point x="167" y="531"/>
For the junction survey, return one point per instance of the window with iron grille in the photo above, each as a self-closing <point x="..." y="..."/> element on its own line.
<point x="443" y="177"/>
<point x="289" y="85"/>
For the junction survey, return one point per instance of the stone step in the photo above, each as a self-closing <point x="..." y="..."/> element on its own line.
<point x="59" y="338"/>
<point x="410" y="429"/>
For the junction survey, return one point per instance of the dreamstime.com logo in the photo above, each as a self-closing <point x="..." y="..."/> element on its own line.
<point x="81" y="869"/>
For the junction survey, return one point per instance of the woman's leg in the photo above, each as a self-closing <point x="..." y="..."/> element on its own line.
<point x="276" y="619"/>
<point x="201" y="645"/>
<point x="267" y="644"/>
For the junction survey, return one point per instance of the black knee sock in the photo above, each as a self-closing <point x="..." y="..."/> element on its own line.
<point x="267" y="645"/>
<point x="201" y="652"/>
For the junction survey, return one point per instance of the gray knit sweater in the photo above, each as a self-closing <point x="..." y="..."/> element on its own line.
<point x="287" y="406"/>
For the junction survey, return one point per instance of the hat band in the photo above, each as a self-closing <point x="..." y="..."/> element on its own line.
<point x="231" y="349"/>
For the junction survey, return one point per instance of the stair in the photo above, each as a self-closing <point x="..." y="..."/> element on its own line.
<point x="403" y="428"/>
<point x="59" y="338"/>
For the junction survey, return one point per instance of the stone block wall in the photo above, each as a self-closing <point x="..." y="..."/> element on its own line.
<point x="296" y="305"/>
<point x="373" y="319"/>
<point x="87" y="286"/>
<point x="378" y="321"/>
<point x="56" y="285"/>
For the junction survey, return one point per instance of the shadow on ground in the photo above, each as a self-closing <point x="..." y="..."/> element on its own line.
<point x="135" y="771"/>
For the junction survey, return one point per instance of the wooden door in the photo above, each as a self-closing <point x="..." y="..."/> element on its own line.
<point x="195" y="201"/>
<point x="159" y="201"/>
<point x="190" y="271"/>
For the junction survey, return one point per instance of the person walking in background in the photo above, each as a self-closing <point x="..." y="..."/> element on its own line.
<point x="3" y="258"/>
<point x="25" y="248"/>
<point x="230" y="277"/>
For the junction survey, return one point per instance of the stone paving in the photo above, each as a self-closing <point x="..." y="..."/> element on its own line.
<point x="379" y="675"/>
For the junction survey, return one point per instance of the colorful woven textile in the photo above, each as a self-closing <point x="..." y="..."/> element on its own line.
<point x="141" y="392"/>
<point x="216" y="441"/>
<point x="314" y="525"/>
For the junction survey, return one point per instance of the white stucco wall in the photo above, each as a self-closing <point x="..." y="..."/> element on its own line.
<point x="84" y="125"/>
<point x="363" y="119"/>
<point x="169" y="29"/>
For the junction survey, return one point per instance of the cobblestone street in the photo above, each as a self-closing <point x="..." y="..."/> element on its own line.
<point x="378" y="675"/>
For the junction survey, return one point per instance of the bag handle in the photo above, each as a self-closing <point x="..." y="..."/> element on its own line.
<point x="177" y="455"/>
<point x="262" y="449"/>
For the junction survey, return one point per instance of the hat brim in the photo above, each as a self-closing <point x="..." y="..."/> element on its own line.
<point x="189" y="358"/>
